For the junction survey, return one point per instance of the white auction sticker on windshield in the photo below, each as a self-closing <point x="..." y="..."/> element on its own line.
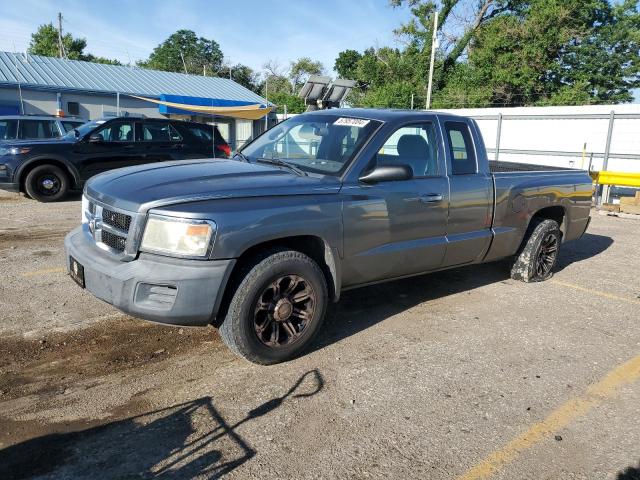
<point x="351" y="122"/>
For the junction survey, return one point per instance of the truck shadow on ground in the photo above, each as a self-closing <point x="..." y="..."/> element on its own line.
<point x="364" y="307"/>
<point x="183" y="441"/>
<point x="629" y="473"/>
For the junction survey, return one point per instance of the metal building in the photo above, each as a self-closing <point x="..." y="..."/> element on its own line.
<point x="32" y="84"/>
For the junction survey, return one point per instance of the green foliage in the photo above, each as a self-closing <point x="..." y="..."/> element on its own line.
<point x="509" y="52"/>
<point x="185" y="50"/>
<point x="106" y="61"/>
<point x="245" y="76"/>
<point x="347" y="64"/>
<point x="301" y="69"/>
<point x="294" y="103"/>
<point x="273" y="84"/>
<point x="45" y="42"/>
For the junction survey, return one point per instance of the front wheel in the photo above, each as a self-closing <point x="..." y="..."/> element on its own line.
<point x="537" y="259"/>
<point x="277" y="308"/>
<point x="47" y="183"/>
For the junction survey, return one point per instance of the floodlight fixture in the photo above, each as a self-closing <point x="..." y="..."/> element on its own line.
<point x="337" y="91"/>
<point x="320" y="92"/>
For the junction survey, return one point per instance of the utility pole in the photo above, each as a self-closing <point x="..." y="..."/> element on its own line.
<point x="61" y="52"/>
<point x="184" y="64"/>
<point x="434" y="45"/>
<point x="266" y="97"/>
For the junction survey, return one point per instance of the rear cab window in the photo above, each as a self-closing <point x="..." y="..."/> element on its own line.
<point x="461" y="150"/>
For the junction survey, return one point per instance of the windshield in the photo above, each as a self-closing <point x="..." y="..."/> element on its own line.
<point x="83" y="129"/>
<point x="322" y="144"/>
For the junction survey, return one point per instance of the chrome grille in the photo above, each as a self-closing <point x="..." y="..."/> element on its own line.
<point x="113" y="230"/>
<point x="116" y="219"/>
<point x="114" y="241"/>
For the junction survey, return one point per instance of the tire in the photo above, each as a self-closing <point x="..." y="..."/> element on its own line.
<point x="262" y="305"/>
<point x="47" y="183"/>
<point x="538" y="257"/>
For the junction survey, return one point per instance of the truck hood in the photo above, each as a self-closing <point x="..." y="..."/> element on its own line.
<point x="140" y="188"/>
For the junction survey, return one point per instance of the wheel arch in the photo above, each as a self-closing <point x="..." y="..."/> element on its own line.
<point x="47" y="160"/>
<point x="556" y="212"/>
<point x="313" y="246"/>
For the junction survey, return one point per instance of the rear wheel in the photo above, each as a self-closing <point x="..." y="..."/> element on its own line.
<point x="47" y="183"/>
<point x="537" y="259"/>
<point x="277" y="308"/>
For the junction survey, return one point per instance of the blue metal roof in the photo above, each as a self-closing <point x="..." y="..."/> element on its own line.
<point x="72" y="75"/>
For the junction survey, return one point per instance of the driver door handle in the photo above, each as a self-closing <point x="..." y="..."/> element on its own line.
<point x="431" y="198"/>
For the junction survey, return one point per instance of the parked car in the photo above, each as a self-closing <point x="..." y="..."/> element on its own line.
<point x="324" y="202"/>
<point x="31" y="127"/>
<point x="47" y="169"/>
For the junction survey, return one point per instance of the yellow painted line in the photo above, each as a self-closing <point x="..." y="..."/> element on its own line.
<point x="598" y="293"/>
<point x="595" y="394"/>
<point x="46" y="271"/>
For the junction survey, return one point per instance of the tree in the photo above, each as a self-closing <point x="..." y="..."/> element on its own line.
<point x="184" y="50"/>
<point x="107" y="61"/>
<point x="560" y="52"/>
<point x="45" y="42"/>
<point x="294" y="103"/>
<point x="280" y="85"/>
<point x="347" y="64"/>
<point x="504" y="52"/>
<point x="243" y="75"/>
<point x="301" y="70"/>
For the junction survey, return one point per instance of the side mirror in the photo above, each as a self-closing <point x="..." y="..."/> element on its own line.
<point x="96" y="138"/>
<point x="388" y="173"/>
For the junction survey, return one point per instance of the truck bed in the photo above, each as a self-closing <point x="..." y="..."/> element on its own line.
<point x="503" y="167"/>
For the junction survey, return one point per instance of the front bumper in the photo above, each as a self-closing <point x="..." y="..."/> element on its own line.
<point x="161" y="289"/>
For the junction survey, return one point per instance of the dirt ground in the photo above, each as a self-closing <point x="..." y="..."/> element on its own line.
<point x="460" y="374"/>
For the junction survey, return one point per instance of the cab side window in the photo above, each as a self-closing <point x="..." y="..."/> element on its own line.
<point x="8" y="129"/>
<point x="463" y="156"/>
<point x="37" y="129"/>
<point x="159" y="132"/>
<point x="413" y="145"/>
<point x="117" y="132"/>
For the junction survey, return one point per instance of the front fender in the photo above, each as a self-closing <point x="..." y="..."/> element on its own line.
<point x="48" y="158"/>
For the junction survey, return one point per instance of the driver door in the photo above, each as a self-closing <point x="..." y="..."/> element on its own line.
<point x="117" y="148"/>
<point x="398" y="228"/>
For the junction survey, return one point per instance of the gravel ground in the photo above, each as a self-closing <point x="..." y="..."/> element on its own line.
<point x="422" y="378"/>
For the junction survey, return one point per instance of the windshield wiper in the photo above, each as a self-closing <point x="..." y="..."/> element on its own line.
<point x="282" y="163"/>
<point x="242" y="156"/>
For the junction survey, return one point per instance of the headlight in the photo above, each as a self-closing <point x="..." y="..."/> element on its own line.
<point x="85" y="209"/>
<point x="178" y="236"/>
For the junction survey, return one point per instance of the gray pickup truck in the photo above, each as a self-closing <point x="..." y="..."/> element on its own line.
<point x="323" y="202"/>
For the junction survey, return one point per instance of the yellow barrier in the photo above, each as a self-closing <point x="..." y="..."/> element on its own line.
<point x="616" y="178"/>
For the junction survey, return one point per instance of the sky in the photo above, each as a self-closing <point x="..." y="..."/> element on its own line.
<point x="248" y="31"/>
